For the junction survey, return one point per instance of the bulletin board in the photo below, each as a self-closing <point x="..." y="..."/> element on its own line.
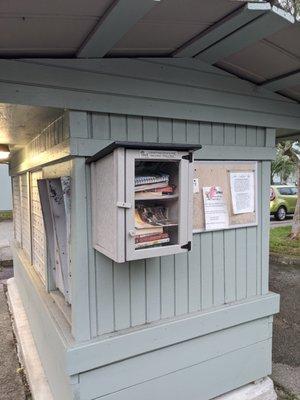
<point x="217" y="173"/>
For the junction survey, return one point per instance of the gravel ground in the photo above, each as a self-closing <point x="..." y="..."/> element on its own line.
<point x="11" y="375"/>
<point x="285" y="279"/>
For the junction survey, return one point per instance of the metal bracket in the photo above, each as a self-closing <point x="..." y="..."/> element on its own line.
<point x="187" y="246"/>
<point x="189" y="157"/>
<point x="123" y="204"/>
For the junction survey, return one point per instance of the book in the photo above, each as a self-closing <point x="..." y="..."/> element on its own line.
<point x="148" y="231"/>
<point x="158" y="185"/>
<point x="139" y="223"/>
<point x="157" y="192"/>
<point x="151" y="237"/>
<point x="152" y="215"/>
<point x="152" y="243"/>
<point x="150" y="179"/>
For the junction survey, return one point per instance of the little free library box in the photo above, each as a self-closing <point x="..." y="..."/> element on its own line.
<point x="142" y="200"/>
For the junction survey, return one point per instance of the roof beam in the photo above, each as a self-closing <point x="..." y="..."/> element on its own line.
<point x="117" y="20"/>
<point x="222" y="28"/>
<point x="224" y="44"/>
<point x="268" y="23"/>
<point x="283" y="81"/>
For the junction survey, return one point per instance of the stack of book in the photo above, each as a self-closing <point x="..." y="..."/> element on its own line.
<point x="156" y="185"/>
<point x="149" y="226"/>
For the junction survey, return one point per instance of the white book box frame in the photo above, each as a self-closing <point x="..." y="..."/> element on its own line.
<point x="114" y="199"/>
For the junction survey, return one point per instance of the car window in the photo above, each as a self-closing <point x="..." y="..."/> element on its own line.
<point x="285" y="191"/>
<point x="294" y="190"/>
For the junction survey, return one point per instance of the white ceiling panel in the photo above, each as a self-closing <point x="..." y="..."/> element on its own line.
<point x="163" y="38"/>
<point x="50" y="35"/>
<point x="261" y="61"/>
<point x="20" y="124"/>
<point x="171" y="23"/>
<point x="293" y="93"/>
<point x="288" y="39"/>
<point x="54" y="7"/>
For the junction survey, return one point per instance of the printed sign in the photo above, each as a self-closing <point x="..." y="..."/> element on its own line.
<point x="215" y="208"/>
<point x="242" y="192"/>
<point x="154" y="154"/>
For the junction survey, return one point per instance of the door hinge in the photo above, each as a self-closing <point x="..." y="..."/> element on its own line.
<point x="187" y="246"/>
<point x="189" y="157"/>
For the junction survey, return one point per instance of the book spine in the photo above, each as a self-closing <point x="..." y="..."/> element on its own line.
<point x="144" y="180"/>
<point x="153" y="243"/>
<point x="150" y="238"/>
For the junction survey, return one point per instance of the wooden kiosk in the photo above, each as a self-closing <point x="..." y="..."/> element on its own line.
<point x="158" y="320"/>
<point x="141" y="191"/>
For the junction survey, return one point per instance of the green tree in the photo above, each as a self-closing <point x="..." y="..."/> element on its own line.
<point x="291" y="6"/>
<point x="288" y="159"/>
<point x="295" y="154"/>
<point x="284" y="164"/>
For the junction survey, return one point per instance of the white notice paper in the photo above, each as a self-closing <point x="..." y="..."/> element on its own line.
<point x="215" y="208"/>
<point x="242" y="192"/>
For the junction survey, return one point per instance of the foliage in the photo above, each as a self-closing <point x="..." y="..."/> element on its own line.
<point x="285" y="163"/>
<point x="281" y="243"/>
<point x="5" y="215"/>
<point x="291" y="6"/>
<point x="288" y="161"/>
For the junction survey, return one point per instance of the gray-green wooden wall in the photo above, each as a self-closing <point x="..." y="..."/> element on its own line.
<point x="223" y="267"/>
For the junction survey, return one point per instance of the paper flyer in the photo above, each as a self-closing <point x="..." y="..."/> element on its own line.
<point x="242" y="192"/>
<point x="215" y="208"/>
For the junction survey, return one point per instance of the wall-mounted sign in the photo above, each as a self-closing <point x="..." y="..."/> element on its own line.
<point x="242" y="192"/>
<point x="215" y="208"/>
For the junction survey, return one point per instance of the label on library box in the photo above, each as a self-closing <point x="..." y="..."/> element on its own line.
<point x="159" y="154"/>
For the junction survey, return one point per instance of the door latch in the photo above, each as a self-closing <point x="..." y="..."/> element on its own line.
<point x="123" y="204"/>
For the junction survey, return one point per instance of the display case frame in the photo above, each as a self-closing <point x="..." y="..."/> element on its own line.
<point x="114" y="202"/>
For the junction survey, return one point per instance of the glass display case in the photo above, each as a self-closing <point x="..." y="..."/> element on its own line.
<point x="142" y="200"/>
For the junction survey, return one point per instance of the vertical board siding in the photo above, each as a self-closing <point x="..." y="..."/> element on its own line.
<point x="25" y="207"/>
<point x="37" y="227"/>
<point x="265" y="228"/>
<point x="104" y="293"/>
<point x="259" y="236"/>
<point x="17" y="209"/>
<point x="152" y="289"/>
<point x="138" y="292"/>
<point x="222" y="267"/>
<point x="167" y="284"/>
<point x="40" y="150"/>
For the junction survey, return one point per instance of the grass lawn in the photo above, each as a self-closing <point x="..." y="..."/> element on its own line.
<point x="5" y="215"/>
<point x="280" y="243"/>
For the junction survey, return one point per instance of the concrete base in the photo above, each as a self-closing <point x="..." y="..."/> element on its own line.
<point x="260" y="390"/>
<point x="37" y="380"/>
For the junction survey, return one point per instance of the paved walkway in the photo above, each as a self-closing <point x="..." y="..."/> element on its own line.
<point x="285" y="279"/>
<point x="276" y="224"/>
<point x="11" y="379"/>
